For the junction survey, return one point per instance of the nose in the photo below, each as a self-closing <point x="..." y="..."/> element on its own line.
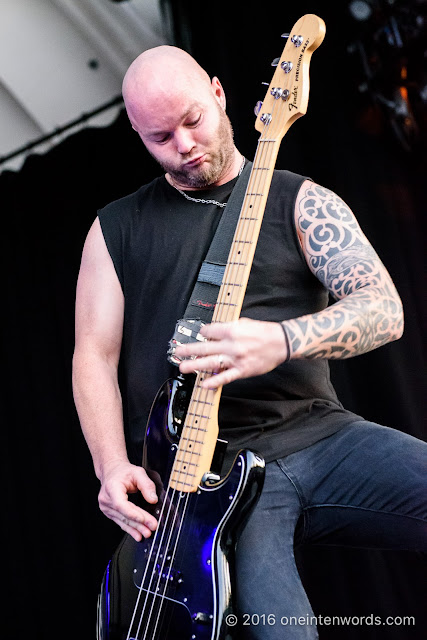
<point x="184" y="141"/>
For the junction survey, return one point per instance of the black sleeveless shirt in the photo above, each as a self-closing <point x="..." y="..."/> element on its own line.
<point x="157" y="240"/>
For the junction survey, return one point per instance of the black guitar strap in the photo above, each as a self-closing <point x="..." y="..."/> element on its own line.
<point x="202" y="301"/>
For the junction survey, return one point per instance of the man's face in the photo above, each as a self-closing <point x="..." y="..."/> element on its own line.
<point x="189" y="135"/>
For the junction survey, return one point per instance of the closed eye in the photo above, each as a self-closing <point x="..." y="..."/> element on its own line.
<point x="195" y="122"/>
<point x="163" y="139"/>
<point x="166" y="136"/>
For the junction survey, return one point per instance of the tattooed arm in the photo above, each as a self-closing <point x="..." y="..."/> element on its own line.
<point x="368" y="312"/>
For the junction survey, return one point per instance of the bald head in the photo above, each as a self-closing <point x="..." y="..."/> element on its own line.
<point x="160" y="72"/>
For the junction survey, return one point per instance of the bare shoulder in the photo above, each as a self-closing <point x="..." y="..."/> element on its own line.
<point x="318" y="207"/>
<point x="335" y="247"/>
<point x="95" y="249"/>
<point x="99" y="296"/>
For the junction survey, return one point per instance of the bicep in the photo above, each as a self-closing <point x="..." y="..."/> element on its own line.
<point x="99" y="299"/>
<point x="335" y="248"/>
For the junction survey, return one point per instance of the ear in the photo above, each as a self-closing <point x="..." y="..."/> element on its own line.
<point x="218" y="92"/>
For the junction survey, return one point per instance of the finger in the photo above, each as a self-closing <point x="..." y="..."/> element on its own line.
<point x="220" y="379"/>
<point x="146" y="486"/>
<point x="198" y="349"/>
<point x="217" y="330"/>
<point x="136" y="523"/>
<point x="214" y="363"/>
<point x="136" y="530"/>
<point x="115" y="504"/>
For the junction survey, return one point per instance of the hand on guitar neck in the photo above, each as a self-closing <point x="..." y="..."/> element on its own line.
<point x="240" y="349"/>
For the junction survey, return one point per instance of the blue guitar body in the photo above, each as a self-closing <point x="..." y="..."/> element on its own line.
<point x="178" y="584"/>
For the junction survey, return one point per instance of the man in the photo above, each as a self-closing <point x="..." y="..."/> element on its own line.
<point x="331" y="477"/>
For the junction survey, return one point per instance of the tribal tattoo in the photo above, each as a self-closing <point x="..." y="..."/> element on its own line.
<point x="368" y="312"/>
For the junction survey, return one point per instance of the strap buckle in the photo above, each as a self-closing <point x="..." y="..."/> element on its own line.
<point x="186" y="330"/>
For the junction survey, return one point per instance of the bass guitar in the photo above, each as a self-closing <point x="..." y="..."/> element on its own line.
<point x="178" y="584"/>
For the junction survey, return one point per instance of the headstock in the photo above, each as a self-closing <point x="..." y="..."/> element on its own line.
<point x="286" y="99"/>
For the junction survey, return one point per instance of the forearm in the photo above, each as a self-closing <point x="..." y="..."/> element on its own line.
<point x="99" y="406"/>
<point x="366" y="319"/>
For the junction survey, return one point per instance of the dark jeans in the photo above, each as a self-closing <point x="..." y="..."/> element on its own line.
<point x="365" y="486"/>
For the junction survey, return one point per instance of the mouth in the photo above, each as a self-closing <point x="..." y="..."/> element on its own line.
<point x="195" y="162"/>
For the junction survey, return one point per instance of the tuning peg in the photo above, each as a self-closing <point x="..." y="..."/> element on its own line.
<point x="285" y="35"/>
<point x="266" y="118"/>
<point x="287" y="66"/>
<point x="257" y="108"/>
<point x="266" y="84"/>
<point x="278" y="92"/>
<point x="275" y="62"/>
<point x="297" y="40"/>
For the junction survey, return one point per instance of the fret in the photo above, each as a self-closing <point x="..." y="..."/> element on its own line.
<point x="262" y="168"/>
<point x="243" y="242"/>
<point x="188" y="484"/>
<point x="241" y="264"/>
<point x="247" y="218"/>
<point x="192" y="440"/>
<point x="255" y="194"/>
<point x="198" y="415"/>
<point x="194" y="427"/>
<point x="229" y="304"/>
<point x="193" y="464"/>
<point x="195" y="453"/>
<point x="231" y="284"/>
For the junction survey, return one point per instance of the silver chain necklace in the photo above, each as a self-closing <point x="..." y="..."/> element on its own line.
<point x="218" y="204"/>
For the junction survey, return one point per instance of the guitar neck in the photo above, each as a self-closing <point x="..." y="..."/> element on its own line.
<point x="239" y="264"/>
<point x="286" y="100"/>
<point x="200" y="432"/>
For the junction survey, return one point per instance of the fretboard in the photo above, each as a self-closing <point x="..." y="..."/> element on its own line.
<point x="200" y="431"/>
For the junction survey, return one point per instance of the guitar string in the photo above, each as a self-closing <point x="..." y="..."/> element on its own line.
<point x="265" y="150"/>
<point x="197" y="428"/>
<point x="155" y="595"/>
<point x="150" y="559"/>
<point x="159" y="612"/>
<point x="264" y="147"/>
<point x="255" y="186"/>
<point x="192" y="427"/>
<point x="247" y="225"/>
<point x="161" y="572"/>
<point x="232" y="270"/>
<point x="180" y="473"/>
<point x="159" y="598"/>
<point x="163" y="527"/>
<point x="153" y="544"/>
